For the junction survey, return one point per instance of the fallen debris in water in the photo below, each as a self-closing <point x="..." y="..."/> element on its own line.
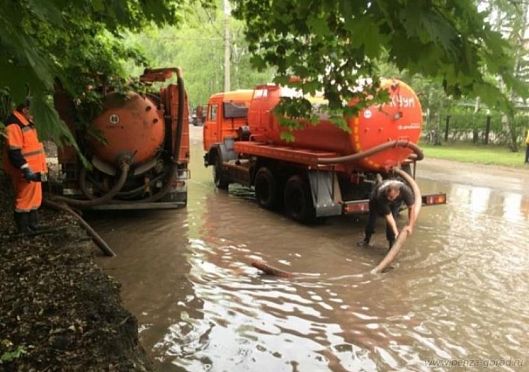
<point x="270" y="270"/>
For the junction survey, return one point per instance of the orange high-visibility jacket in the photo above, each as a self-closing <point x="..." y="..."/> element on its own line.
<point x="23" y="145"/>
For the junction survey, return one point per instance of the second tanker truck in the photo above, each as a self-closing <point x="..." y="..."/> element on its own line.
<point x="137" y="146"/>
<point x="325" y="171"/>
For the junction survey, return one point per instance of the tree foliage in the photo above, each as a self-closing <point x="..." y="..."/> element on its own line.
<point x="511" y="18"/>
<point x="332" y="45"/>
<point x="72" y="43"/>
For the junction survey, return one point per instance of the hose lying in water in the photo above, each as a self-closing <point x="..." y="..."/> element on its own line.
<point x="98" y="240"/>
<point x="379" y="148"/>
<point x="395" y="249"/>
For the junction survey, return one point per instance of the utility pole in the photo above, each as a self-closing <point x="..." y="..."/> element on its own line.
<point x="227" y="50"/>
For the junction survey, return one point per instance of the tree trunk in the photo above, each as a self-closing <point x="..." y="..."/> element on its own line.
<point x="513" y="138"/>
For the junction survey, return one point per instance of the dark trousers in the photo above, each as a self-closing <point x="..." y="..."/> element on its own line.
<point x="371" y="220"/>
<point x="527" y="154"/>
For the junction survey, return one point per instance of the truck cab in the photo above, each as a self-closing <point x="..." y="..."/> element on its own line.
<point x="226" y="114"/>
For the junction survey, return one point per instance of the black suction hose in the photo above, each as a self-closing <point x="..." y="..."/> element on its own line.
<point x="103" y="199"/>
<point x="99" y="241"/>
<point x="122" y="194"/>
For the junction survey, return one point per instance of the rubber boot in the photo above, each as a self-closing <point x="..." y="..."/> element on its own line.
<point x="364" y="242"/>
<point x="22" y="222"/>
<point x="34" y="221"/>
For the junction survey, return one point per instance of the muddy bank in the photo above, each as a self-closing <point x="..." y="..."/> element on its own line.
<point x="58" y="309"/>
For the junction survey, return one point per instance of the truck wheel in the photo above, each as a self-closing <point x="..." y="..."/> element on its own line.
<point x="219" y="176"/>
<point x="298" y="200"/>
<point x="266" y="189"/>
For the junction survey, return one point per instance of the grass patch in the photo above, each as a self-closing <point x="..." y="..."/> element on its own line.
<point x="480" y="154"/>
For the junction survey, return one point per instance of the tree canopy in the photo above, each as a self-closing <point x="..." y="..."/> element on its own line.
<point x="331" y="45"/>
<point x="72" y="43"/>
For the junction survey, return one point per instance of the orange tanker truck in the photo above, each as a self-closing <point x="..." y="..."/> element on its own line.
<point x="137" y="146"/>
<point x="325" y="171"/>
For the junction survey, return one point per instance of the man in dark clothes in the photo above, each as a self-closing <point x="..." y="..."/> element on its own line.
<point x="385" y="201"/>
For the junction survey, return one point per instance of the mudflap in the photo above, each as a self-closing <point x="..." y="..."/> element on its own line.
<point x="178" y="193"/>
<point x="326" y="193"/>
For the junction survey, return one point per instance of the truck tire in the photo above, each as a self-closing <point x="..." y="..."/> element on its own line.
<point x="219" y="175"/>
<point x="298" y="200"/>
<point x="266" y="192"/>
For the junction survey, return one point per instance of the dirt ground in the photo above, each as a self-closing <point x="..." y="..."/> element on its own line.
<point x="58" y="310"/>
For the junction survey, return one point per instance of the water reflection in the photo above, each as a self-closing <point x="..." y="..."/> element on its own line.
<point x="512" y="207"/>
<point x="458" y="291"/>
<point x="482" y="200"/>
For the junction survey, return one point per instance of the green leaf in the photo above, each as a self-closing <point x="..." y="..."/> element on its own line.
<point x="50" y="125"/>
<point x="365" y="34"/>
<point x="46" y="11"/>
<point x="18" y="79"/>
<point x="98" y="5"/>
<point x="428" y="26"/>
<point x="318" y="25"/>
<point x="9" y="356"/>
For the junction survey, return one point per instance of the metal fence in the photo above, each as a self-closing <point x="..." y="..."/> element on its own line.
<point x="478" y="128"/>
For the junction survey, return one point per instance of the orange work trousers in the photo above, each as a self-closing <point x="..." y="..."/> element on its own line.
<point x="28" y="195"/>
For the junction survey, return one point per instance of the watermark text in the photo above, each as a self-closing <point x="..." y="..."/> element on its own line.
<point x="481" y="363"/>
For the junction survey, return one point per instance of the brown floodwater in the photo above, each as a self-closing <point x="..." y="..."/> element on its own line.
<point x="456" y="296"/>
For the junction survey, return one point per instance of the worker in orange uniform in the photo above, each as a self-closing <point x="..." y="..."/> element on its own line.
<point x="25" y="163"/>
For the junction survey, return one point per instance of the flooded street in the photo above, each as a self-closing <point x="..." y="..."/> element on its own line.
<point x="458" y="292"/>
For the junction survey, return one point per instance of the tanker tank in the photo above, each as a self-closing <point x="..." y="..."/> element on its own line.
<point x="400" y="119"/>
<point x="132" y="129"/>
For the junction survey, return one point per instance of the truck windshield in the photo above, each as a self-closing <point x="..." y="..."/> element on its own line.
<point x="234" y="110"/>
